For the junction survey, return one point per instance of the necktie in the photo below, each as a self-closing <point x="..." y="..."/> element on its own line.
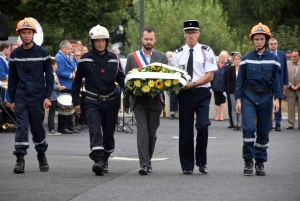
<point x="190" y="64"/>
<point x="295" y="69"/>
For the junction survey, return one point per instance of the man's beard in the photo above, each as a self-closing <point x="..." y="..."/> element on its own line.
<point x="148" y="47"/>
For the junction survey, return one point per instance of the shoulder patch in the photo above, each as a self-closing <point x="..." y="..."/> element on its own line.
<point x="205" y="47"/>
<point x="179" y="50"/>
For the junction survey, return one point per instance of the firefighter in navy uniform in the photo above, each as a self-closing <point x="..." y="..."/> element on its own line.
<point x="101" y="69"/>
<point x="200" y="63"/>
<point x="256" y="84"/>
<point x="30" y="85"/>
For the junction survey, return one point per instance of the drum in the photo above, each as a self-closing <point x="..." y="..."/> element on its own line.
<point x="64" y="104"/>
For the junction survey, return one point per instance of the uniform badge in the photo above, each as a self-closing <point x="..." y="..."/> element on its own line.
<point x="102" y="71"/>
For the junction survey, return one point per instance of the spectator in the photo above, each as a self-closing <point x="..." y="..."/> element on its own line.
<point x="293" y="89"/>
<point x="231" y="80"/>
<point x="66" y="74"/>
<point x="283" y="77"/>
<point x="56" y="88"/>
<point x="218" y="86"/>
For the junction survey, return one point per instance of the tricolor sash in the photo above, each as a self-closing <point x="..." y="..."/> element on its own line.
<point x="140" y="58"/>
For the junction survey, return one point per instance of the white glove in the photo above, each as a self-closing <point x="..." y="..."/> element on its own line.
<point x="224" y="94"/>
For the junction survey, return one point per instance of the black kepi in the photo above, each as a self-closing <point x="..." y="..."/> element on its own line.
<point x="190" y="24"/>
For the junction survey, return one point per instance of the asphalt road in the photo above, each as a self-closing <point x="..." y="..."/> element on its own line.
<point x="71" y="178"/>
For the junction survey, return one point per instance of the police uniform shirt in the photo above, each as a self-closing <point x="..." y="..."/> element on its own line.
<point x="204" y="61"/>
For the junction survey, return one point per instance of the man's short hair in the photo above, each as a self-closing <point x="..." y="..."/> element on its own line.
<point x="149" y="30"/>
<point x="64" y="43"/>
<point x="72" y="41"/>
<point x="4" y="46"/>
<point x="53" y="61"/>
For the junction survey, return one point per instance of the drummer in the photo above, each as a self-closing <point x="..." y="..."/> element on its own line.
<point x="65" y="73"/>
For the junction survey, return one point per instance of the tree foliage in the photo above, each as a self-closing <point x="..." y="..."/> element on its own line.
<point x="167" y="18"/>
<point x="281" y="16"/>
<point x="67" y="19"/>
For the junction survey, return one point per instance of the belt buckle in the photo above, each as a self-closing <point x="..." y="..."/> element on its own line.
<point x="259" y="92"/>
<point x="102" y="98"/>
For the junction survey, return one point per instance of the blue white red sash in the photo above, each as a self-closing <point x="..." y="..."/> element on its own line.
<point x="140" y="58"/>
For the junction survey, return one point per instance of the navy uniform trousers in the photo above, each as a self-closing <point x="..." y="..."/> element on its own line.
<point x="193" y="101"/>
<point x="101" y="122"/>
<point x="260" y="107"/>
<point x="35" y="116"/>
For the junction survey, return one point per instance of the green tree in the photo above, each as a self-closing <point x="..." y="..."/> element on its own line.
<point x="281" y="16"/>
<point x="67" y="19"/>
<point x="167" y="18"/>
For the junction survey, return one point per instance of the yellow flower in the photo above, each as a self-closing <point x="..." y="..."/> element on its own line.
<point x="168" y="83"/>
<point x="135" y="70"/>
<point x="144" y="70"/>
<point x="155" y="68"/>
<point x="151" y="83"/>
<point x="159" y="84"/>
<point x="175" y="82"/>
<point x="137" y="83"/>
<point x="152" y="67"/>
<point x="146" y="89"/>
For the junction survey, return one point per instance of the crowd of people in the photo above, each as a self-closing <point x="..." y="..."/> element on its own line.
<point x="253" y="85"/>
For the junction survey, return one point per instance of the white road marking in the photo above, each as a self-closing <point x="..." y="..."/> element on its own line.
<point x="210" y="138"/>
<point x="135" y="159"/>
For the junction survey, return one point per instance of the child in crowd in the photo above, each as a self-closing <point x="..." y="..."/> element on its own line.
<point x="56" y="88"/>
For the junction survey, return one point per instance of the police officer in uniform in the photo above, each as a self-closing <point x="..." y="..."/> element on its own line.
<point x="257" y="82"/>
<point x="200" y="63"/>
<point x="29" y="86"/>
<point x="101" y="69"/>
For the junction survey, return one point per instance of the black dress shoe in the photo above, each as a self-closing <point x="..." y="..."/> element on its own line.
<point x="277" y="128"/>
<point x="231" y="126"/>
<point x="74" y="130"/>
<point x="187" y="172"/>
<point x="203" y="169"/>
<point x="143" y="170"/>
<point x="65" y="131"/>
<point x="289" y="127"/>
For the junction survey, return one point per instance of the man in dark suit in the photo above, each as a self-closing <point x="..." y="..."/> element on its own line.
<point x="283" y="78"/>
<point x="147" y="110"/>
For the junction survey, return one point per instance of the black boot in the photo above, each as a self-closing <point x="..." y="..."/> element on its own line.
<point x="248" y="170"/>
<point x="19" y="167"/>
<point x="43" y="164"/>
<point x="105" y="166"/>
<point x="98" y="168"/>
<point x="259" y="168"/>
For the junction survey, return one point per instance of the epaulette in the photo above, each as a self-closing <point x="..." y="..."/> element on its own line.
<point x="179" y="50"/>
<point x="205" y="47"/>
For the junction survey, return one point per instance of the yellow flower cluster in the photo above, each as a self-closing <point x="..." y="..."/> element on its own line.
<point x="152" y="87"/>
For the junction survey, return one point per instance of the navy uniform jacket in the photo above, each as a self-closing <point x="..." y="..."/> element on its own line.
<point x="100" y="74"/>
<point x="30" y="75"/>
<point x="260" y="72"/>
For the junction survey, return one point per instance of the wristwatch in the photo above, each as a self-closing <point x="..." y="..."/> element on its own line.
<point x="194" y="84"/>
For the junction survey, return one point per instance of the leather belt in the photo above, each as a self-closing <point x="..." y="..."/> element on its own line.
<point x="100" y="98"/>
<point x="258" y="92"/>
